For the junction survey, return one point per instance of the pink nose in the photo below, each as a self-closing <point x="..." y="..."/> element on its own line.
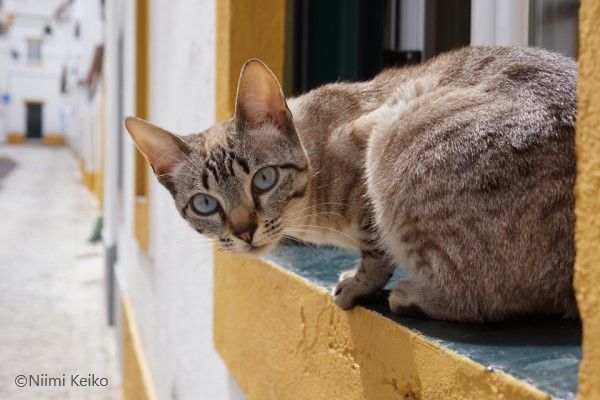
<point x="246" y="236"/>
<point x="246" y="232"/>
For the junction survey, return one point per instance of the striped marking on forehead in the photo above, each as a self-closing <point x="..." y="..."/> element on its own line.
<point x="220" y="164"/>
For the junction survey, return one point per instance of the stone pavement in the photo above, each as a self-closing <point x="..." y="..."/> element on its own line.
<point x="52" y="305"/>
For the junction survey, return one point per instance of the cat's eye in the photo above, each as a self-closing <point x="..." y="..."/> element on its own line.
<point x="265" y="178"/>
<point x="204" y="204"/>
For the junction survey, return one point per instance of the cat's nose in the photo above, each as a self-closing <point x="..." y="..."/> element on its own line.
<point x="246" y="233"/>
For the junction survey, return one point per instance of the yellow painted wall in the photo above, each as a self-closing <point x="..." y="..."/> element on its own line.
<point x="99" y="175"/>
<point x="283" y="338"/>
<point x="50" y="139"/>
<point x="53" y="139"/>
<point x="16" y="138"/>
<point x="88" y="177"/>
<point x="142" y="92"/>
<point x="587" y="235"/>
<point x="137" y="381"/>
<point x="247" y="29"/>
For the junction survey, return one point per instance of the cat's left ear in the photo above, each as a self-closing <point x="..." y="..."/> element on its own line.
<point x="260" y="99"/>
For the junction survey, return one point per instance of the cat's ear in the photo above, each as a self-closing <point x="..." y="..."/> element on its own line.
<point x="260" y="98"/>
<point x="162" y="149"/>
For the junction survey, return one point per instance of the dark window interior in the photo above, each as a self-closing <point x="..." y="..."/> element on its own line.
<point x="355" y="39"/>
<point x="553" y="25"/>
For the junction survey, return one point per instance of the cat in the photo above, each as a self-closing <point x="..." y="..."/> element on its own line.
<point x="461" y="169"/>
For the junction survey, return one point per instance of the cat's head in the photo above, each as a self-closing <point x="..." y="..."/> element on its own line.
<point x="237" y="181"/>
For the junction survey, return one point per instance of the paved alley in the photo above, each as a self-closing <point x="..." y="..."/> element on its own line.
<point x="52" y="304"/>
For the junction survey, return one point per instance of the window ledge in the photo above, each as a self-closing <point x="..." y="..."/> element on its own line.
<point x="281" y="336"/>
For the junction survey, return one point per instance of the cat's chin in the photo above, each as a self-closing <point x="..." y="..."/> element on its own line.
<point x="253" y="250"/>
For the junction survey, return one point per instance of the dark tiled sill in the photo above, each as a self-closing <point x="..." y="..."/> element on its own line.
<point x="543" y="352"/>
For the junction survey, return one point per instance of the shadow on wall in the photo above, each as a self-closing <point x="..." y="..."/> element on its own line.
<point x="7" y="165"/>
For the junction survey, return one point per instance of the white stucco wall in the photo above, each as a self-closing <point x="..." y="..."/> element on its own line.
<point x="85" y="113"/>
<point x="171" y="289"/>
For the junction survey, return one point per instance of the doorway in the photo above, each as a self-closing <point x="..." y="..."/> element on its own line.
<point x="34" y="120"/>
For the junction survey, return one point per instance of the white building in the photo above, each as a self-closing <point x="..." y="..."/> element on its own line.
<point x="50" y="77"/>
<point x="32" y="48"/>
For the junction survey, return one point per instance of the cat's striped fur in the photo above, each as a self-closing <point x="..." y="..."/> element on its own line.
<point x="461" y="169"/>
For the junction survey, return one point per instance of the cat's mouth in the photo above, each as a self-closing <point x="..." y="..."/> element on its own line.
<point x="258" y="250"/>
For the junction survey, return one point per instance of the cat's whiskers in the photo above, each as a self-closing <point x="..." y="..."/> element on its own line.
<point x="287" y="240"/>
<point x="333" y="240"/>
<point x="301" y="217"/>
<point x="330" y="229"/>
<point x="310" y="207"/>
<point x="315" y="228"/>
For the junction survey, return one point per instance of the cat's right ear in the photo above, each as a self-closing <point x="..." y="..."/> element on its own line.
<point x="162" y="149"/>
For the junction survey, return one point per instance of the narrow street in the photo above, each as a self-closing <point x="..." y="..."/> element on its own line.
<point x="52" y="304"/>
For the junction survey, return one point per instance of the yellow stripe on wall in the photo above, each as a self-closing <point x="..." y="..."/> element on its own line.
<point x="53" y="139"/>
<point x="587" y="205"/>
<point x="247" y="29"/>
<point x="142" y="171"/>
<point x="137" y="380"/>
<point x="15" y="138"/>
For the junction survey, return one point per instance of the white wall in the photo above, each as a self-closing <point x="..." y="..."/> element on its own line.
<point x="171" y="290"/>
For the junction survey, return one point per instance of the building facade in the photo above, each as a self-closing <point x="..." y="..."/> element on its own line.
<point x="33" y="46"/>
<point x="176" y="63"/>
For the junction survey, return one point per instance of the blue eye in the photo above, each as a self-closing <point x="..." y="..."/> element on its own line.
<point x="204" y="204"/>
<point x="265" y="178"/>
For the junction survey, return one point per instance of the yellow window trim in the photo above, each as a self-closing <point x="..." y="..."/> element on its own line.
<point x="137" y="379"/>
<point x="142" y="181"/>
<point x="587" y="194"/>
<point x="99" y="177"/>
<point x="247" y="29"/>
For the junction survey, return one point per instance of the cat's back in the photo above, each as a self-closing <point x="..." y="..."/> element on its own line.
<point x="485" y="65"/>
<point x="512" y="97"/>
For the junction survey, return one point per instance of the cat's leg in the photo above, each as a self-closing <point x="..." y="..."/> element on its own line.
<point x="415" y="299"/>
<point x="424" y="300"/>
<point x="371" y="275"/>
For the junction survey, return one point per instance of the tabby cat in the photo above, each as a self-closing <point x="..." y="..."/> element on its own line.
<point x="461" y="169"/>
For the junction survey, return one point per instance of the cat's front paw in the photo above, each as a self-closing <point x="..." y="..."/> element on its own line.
<point x="346" y="292"/>
<point x="349" y="273"/>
